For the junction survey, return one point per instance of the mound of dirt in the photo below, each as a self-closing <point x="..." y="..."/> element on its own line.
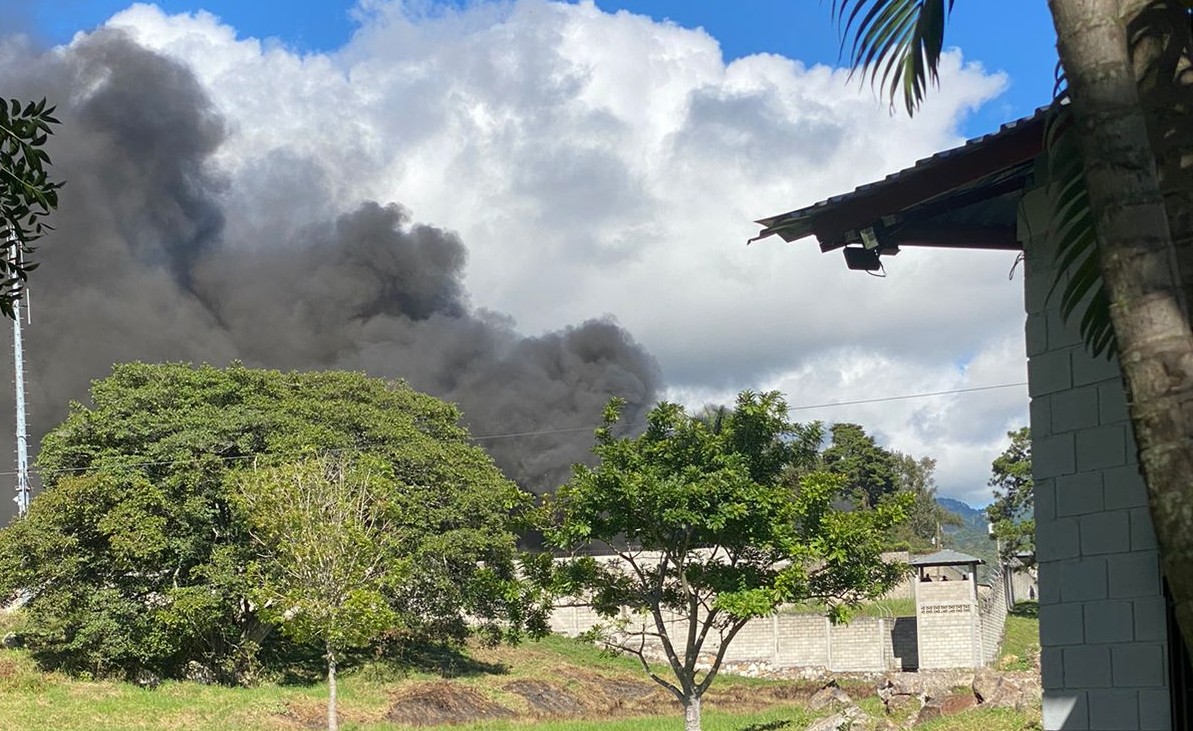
<point x="603" y="695"/>
<point x="305" y="715"/>
<point x="546" y="698"/>
<point x="433" y="704"/>
<point x="611" y="688"/>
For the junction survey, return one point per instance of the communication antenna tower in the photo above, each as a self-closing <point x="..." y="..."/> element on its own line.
<point x="18" y="351"/>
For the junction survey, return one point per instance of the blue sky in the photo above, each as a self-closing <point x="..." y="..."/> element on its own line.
<point x="1020" y="43"/>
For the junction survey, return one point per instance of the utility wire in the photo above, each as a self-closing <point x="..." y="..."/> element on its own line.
<point x="883" y="399"/>
<point x="511" y="435"/>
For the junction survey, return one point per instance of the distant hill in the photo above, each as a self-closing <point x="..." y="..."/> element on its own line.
<point x="975" y="517"/>
<point x="973" y="537"/>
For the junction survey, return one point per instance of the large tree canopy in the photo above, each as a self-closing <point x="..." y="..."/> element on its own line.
<point x="134" y="558"/>
<point x="866" y="467"/>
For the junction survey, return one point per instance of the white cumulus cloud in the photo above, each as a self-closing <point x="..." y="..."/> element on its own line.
<point x="597" y="163"/>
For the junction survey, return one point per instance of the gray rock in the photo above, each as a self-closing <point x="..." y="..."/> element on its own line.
<point x="830" y="695"/>
<point x="147" y="679"/>
<point x="901" y="705"/>
<point x="197" y="672"/>
<point x="1018" y="690"/>
<point x="838" y="721"/>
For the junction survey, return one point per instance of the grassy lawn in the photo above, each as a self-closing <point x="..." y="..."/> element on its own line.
<point x="987" y="719"/>
<point x="1021" y="643"/>
<point x="31" y="699"/>
<point x="489" y="689"/>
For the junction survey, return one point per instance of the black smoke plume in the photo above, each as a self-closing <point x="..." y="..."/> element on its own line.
<point x="155" y="257"/>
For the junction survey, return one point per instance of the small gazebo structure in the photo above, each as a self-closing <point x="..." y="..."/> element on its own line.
<point x="963" y="566"/>
<point x="948" y="625"/>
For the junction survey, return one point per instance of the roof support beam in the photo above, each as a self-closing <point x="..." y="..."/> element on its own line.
<point x="957" y="236"/>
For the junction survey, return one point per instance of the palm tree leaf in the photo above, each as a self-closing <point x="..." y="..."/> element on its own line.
<point x="1078" y="273"/>
<point x="896" y="43"/>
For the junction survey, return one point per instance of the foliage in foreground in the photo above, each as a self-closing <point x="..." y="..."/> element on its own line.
<point x="716" y="536"/>
<point x="27" y="194"/>
<point x="134" y="559"/>
<point x="329" y="548"/>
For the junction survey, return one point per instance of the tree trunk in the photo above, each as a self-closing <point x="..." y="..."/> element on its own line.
<point x="691" y="713"/>
<point x="333" y="722"/>
<point x="1140" y="271"/>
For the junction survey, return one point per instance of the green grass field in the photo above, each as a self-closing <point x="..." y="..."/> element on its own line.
<point x="1021" y="642"/>
<point x="489" y="689"/>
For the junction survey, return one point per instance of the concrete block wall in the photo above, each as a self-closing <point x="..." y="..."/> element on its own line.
<point x="947" y="623"/>
<point x="944" y="592"/>
<point x="948" y="636"/>
<point x="788" y="640"/>
<point x="572" y="619"/>
<point x="902" y="644"/>
<point x="1024" y="586"/>
<point x="1102" y="620"/>
<point x="992" y="613"/>
<point x="802" y="641"/>
<point x="758" y="640"/>
<point x="859" y="646"/>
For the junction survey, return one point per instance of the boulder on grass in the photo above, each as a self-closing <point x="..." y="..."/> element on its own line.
<point x="1019" y="690"/>
<point x="949" y="705"/>
<point x="829" y="695"/>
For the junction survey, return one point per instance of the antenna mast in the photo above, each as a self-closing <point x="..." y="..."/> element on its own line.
<point x="18" y="350"/>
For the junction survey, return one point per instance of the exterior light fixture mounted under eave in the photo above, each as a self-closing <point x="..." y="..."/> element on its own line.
<point x="876" y="241"/>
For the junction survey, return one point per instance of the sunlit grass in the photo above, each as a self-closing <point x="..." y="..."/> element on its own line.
<point x="31" y="699"/>
<point x="1021" y="641"/>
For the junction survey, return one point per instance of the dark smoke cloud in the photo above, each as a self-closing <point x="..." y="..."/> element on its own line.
<point x="156" y="258"/>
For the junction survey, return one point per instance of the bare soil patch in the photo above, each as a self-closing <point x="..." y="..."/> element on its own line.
<point x="546" y="698"/>
<point x="603" y="695"/>
<point x="299" y="715"/>
<point x="443" y="702"/>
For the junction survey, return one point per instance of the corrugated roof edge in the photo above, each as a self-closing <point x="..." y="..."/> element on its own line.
<point x="946" y="557"/>
<point x="788" y="224"/>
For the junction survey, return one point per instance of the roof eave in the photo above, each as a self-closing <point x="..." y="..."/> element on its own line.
<point x="835" y="220"/>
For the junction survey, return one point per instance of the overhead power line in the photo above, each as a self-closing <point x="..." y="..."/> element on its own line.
<point x="536" y="433"/>
<point x="883" y="399"/>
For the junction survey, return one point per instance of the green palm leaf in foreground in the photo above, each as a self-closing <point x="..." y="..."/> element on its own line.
<point x="896" y="43"/>
<point x="1071" y="227"/>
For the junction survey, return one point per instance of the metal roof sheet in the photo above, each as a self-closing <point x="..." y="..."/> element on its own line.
<point x="799" y="223"/>
<point x="946" y="557"/>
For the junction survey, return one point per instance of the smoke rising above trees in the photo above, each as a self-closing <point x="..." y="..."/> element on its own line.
<point x="157" y="257"/>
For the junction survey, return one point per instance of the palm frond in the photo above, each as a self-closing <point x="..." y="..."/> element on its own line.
<point x="896" y="43"/>
<point x="1078" y="274"/>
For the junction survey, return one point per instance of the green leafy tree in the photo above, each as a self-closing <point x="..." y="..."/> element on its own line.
<point x="1120" y="187"/>
<point x="926" y="518"/>
<point x="27" y="194"/>
<point x="1012" y="513"/>
<point x="713" y="535"/>
<point x="134" y="559"/>
<point x="328" y="550"/>
<point x="867" y="468"/>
